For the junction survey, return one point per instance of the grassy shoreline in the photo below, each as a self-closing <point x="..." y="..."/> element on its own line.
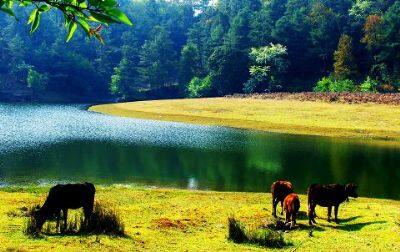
<point x="182" y="220"/>
<point x="360" y="121"/>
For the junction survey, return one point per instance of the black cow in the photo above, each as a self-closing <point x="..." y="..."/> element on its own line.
<point x="328" y="196"/>
<point x="64" y="197"/>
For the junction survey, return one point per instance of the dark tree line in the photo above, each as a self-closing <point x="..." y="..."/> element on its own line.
<point x="197" y="48"/>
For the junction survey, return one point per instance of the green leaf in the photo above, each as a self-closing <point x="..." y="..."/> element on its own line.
<point x="44" y="8"/>
<point x="71" y="30"/>
<point x="85" y="26"/>
<point x="102" y="18"/>
<point x="32" y="16"/>
<point x="119" y="16"/>
<point x="35" y="22"/>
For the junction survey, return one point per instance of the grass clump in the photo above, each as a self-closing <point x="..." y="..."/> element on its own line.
<point x="103" y="221"/>
<point x="263" y="237"/>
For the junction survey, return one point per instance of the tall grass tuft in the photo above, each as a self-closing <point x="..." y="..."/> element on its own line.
<point x="103" y="221"/>
<point x="262" y="237"/>
<point x="236" y="232"/>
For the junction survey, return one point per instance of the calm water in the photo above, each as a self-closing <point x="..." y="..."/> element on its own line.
<point x="53" y="143"/>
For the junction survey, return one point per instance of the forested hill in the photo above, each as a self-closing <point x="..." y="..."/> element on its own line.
<point x="196" y="48"/>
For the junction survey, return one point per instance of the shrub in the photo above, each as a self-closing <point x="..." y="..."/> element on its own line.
<point x="369" y="85"/>
<point x="199" y="87"/>
<point x="262" y="237"/>
<point x="329" y="84"/>
<point x="340" y="86"/>
<point x="324" y="84"/>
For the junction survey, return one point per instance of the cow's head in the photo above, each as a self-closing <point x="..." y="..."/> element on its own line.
<point x="351" y="190"/>
<point x="38" y="216"/>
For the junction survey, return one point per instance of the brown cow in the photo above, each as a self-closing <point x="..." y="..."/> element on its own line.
<point x="64" y="197"/>
<point x="328" y="196"/>
<point x="291" y="206"/>
<point x="279" y="190"/>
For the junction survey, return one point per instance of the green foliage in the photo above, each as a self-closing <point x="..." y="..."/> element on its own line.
<point x="344" y="66"/>
<point x="268" y="65"/>
<point x="369" y="85"/>
<point x="329" y="84"/>
<point x="36" y="80"/>
<point x="199" y="87"/>
<point x="82" y="13"/>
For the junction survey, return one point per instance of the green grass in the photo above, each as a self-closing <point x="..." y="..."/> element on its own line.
<point x="182" y="220"/>
<point x="367" y="121"/>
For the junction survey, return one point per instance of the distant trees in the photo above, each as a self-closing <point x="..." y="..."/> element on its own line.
<point x="203" y="48"/>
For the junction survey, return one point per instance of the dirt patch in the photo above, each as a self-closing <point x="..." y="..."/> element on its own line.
<point x="350" y="98"/>
<point x="165" y="223"/>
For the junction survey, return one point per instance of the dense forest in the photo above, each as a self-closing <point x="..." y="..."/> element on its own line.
<point x="185" y="48"/>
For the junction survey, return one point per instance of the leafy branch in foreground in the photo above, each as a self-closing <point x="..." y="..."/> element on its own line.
<point x="83" y="13"/>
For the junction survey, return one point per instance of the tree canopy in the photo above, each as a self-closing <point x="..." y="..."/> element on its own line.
<point x="179" y="48"/>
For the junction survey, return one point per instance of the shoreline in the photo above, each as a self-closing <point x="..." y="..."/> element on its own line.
<point x="197" y="111"/>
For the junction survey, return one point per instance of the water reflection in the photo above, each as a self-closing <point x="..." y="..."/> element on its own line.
<point x="47" y="143"/>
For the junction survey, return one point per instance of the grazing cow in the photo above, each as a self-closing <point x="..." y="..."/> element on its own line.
<point x="291" y="206"/>
<point x="64" y="197"/>
<point x="279" y="190"/>
<point x="328" y="196"/>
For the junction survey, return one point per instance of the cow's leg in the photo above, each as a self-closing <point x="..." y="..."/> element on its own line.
<point x="336" y="213"/>
<point x="58" y="219"/>
<point x="88" y="210"/>
<point x="329" y="213"/>
<point x="287" y="217"/>
<point x="65" y="215"/>
<point x="311" y="214"/>
<point x="281" y="207"/>
<point x="273" y="207"/>
<point x="293" y="220"/>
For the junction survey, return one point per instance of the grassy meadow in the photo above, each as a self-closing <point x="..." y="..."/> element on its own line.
<point x="182" y="220"/>
<point x="367" y="121"/>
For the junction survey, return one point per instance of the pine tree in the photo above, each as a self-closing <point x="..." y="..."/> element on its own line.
<point x="344" y="66"/>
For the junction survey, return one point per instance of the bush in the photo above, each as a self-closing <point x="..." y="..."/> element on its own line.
<point x="324" y="84"/>
<point x="369" y="85"/>
<point x="199" y="87"/>
<point x="262" y="237"/>
<point x="340" y="86"/>
<point x="329" y="84"/>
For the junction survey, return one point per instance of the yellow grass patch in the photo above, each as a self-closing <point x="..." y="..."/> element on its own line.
<point x="366" y="121"/>
<point x="181" y="220"/>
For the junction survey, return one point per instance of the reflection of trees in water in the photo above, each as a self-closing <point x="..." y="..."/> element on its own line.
<point x="260" y="160"/>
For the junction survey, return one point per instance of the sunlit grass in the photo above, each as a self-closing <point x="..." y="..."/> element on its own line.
<point x="180" y="220"/>
<point x="287" y="116"/>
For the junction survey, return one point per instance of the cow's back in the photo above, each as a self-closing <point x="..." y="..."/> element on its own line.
<point x="71" y="195"/>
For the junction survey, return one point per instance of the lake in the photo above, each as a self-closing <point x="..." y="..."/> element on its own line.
<point x="42" y="144"/>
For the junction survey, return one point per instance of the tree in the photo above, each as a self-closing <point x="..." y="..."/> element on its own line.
<point x="36" y="81"/>
<point x="82" y="13"/>
<point x="344" y="66"/>
<point x="189" y="65"/>
<point x="269" y="63"/>
<point x="228" y="70"/>
<point x="158" y="60"/>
